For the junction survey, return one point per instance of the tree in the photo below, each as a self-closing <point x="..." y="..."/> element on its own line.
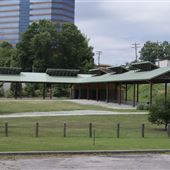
<point x="48" y="45"/>
<point x="8" y="55"/>
<point x="74" y="49"/>
<point x="33" y="50"/>
<point x="152" y="51"/>
<point x="160" y="112"/>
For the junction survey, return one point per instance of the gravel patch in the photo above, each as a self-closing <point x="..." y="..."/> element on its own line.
<point x="117" y="162"/>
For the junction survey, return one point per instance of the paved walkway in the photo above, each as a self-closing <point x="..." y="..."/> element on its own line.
<point x="78" y="112"/>
<point x="117" y="162"/>
<point x="67" y="113"/>
<point x="100" y="103"/>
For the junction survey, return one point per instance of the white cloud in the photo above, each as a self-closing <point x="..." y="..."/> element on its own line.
<point x="114" y="26"/>
<point x="138" y="11"/>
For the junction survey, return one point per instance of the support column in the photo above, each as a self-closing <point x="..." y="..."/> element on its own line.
<point x="134" y="95"/>
<point x="44" y="90"/>
<point x="137" y="93"/>
<point x="150" y="101"/>
<point x="16" y="91"/>
<point x="120" y="93"/>
<point x="50" y="91"/>
<point x="71" y="92"/>
<point x="107" y="92"/>
<point x="166" y="91"/>
<point x="126" y="89"/>
<point x="88" y="93"/>
<point x="97" y="94"/>
<point x="79" y="92"/>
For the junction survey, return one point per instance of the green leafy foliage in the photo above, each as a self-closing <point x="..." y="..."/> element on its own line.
<point x="48" y="45"/>
<point x="8" y="55"/>
<point x="33" y="90"/>
<point x="160" y="112"/>
<point x="153" y="51"/>
<point x="61" y="91"/>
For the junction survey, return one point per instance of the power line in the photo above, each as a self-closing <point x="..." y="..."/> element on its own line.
<point x="99" y="53"/>
<point x="136" y="46"/>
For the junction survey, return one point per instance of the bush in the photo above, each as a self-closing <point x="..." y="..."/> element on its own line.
<point x="140" y="107"/>
<point x="33" y="90"/>
<point x="160" y="112"/>
<point x="146" y="107"/>
<point x="61" y="91"/>
<point x="9" y="93"/>
<point x="1" y="92"/>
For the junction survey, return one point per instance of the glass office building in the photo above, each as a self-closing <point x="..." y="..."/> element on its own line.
<point x="54" y="10"/>
<point x="16" y="15"/>
<point x="14" y="19"/>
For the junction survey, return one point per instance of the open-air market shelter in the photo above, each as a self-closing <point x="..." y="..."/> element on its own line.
<point x="110" y="84"/>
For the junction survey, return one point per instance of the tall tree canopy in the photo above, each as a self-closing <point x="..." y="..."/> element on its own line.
<point x="48" y="45"/>
<point x="153" y="51"/>
<point x="8" y="55"/>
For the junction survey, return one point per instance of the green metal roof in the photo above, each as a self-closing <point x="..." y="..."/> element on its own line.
<point x="118" y="69"/>
<point x="129" y="76"/>
<point x="10" y="70"/>
<point x="144" y="66"/>
<point x="62" y="72"/>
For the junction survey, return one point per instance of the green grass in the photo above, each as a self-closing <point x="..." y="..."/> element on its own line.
<point x="22" y="134"/>
<point x="158" y="90"/>
<point x="17" y="106"/>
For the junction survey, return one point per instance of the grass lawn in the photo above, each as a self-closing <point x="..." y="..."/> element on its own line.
<point x="17" y="106"/>
<point x="158" y="90"/>
<point x="22" y="133"/>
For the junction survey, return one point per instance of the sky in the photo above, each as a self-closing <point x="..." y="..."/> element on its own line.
<point x="114" y="25"/>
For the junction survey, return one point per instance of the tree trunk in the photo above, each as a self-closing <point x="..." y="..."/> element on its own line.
<point x="166" y="124"/>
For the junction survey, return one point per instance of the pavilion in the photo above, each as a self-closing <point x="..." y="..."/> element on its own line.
<point x="109" y="84"/>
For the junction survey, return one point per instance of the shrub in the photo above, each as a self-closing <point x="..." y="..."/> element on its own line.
<point x="160" y="112"/>
<point x="140" y="107"/>
<point x="9" y="93"/>
<point x="1" y="92"/>
<point x="146" y="107"/>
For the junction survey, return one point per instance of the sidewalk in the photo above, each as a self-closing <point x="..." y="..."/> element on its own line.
<point x="68" y="113"/>
<point x="101" y="103"/>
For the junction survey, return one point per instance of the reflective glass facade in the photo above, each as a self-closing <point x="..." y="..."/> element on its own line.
<point x="54" y="10"/>
<point x="16" y="15"/>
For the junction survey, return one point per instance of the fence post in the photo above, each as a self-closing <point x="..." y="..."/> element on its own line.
<point x="6" y="129"/>
<point x="168" y="130"/>
<point x="118" y="130"/>
<point x="94" y="137"/>
<point x="65" y="130"/>
<point x="37" y="130"/>
<point x="143" y="130"/>
<point x="90" y="130"/>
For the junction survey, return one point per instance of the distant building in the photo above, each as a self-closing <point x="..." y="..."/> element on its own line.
<point x="16" y="15"/>
<point x="163" y="63"/>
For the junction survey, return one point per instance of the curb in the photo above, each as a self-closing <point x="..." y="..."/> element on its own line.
<point x="100" y="152"/>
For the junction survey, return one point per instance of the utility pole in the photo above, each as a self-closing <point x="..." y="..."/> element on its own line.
<point x="99" y="53"/>
<point x="136" y="46"/>
<point x="157" y="51"/>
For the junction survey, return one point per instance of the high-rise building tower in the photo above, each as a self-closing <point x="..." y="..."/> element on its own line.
<point x="16" y="15"/>
<point x="14" y="19"/>
<point x="55" y="10"/>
